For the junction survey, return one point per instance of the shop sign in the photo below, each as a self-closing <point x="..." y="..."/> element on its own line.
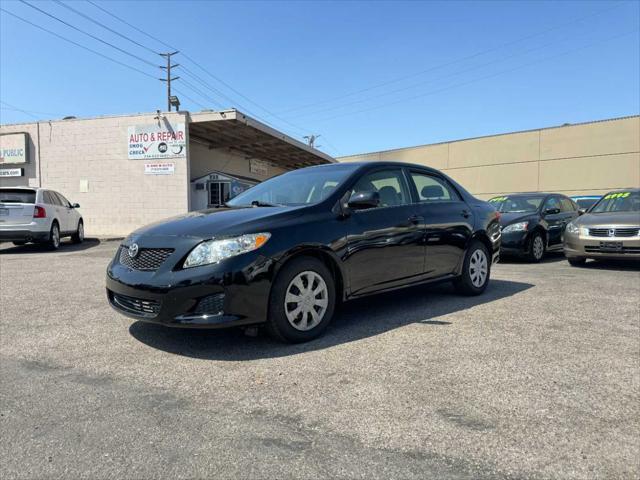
<point x="159" y="168"/>
<point x="12" y="172"/>
<point x="13" y="148"/>
<point x="166" y="140"/>
<point x="258" y="167"/>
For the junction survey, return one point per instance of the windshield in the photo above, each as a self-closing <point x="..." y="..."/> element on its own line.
<point x="17" y="195"/>
<point x="618" y="202"/>
<point x="585" y="203"/>
<point x="517" y="204"/>
<point x="299" y="187"/>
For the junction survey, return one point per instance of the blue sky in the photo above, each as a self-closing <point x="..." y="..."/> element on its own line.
<point x="364" y="75"/>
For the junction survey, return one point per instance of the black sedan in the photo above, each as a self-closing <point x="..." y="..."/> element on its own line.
<point x="533" y="223"/>
<point x="286" y="251"/>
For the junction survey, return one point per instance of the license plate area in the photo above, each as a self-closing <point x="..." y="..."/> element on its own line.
<point x="611" y="246"/>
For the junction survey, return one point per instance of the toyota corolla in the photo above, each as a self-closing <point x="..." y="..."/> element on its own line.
<point x="286" y="251"/>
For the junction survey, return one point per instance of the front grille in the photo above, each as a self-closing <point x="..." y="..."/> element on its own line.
<point x="147" y="259"/>
<point x="137" y="306"/>
<point x="598" y="249"/>
<point x="212" y="305"/>
<point x="617" y="232"/>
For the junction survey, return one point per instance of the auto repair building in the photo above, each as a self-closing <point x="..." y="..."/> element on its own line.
<point x="131" y="170"/>
<point x="585" y="158"/>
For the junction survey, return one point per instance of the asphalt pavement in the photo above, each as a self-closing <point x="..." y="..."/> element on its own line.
<point x="537" y="378"/>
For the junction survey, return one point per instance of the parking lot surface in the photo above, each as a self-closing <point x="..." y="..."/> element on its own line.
<point x="537" y="378"/>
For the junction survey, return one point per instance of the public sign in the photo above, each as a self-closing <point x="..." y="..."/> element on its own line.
<point x="155" y="141"/>
<point x="11" y="172"/>
<point x="159" y="168"/>
<point x="13" y="148"/>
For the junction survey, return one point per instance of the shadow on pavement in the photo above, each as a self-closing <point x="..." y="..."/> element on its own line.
<point x="549" y="257"/>
<point x="65" y="247"/>
<point x="620" y="265"/>
<point x="354" y="321"/>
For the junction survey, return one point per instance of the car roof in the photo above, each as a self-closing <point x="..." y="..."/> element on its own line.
<point x="620" y="190"/>
<point x="20" y="187"/>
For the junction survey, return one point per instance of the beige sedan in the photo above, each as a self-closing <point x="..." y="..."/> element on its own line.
<point x="610" y="229"/>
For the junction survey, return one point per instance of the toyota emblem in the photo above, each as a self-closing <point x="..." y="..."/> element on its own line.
<point x="133" y="250"/>
<point x="612" y="232"/>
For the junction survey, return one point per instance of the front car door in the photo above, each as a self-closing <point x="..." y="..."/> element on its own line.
<point x="552" y="213"/>
<point x="67" y="214"/>
<point x="448" y="222"/>
<point x="385" y="243"/>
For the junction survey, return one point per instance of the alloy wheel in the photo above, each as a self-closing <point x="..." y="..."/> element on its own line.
<point x="478" y="268"/>
<point x="55" y="236"/>
<point x="306" y="300"/>
<point x="538" y="247"/>
<point x="80" y="231"/>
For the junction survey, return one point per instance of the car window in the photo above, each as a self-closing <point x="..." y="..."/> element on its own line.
<point x="433" y="189"/>
<point x="49" y="198"/>
<point x="62" y="201"/>
<point x="552" y="202"/>
<point x="390" y="184"/>
<point x="567" y="205"/>
<point x="17" y="195"/>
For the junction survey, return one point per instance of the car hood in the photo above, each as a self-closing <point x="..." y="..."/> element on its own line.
<point x="515" y="217"/>
<point x="205" y="224"/>
<point x="631" y="219"/>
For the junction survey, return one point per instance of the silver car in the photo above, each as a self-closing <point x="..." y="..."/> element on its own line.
<point x="38" y="215"/>
<point x="610" y="229"/>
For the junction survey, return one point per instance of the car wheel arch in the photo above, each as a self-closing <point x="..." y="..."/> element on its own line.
<point x="325" y="256"/>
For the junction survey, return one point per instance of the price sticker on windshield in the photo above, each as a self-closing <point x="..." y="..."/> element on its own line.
<point x="498" y="199"/>
<point x="617" y="195"/>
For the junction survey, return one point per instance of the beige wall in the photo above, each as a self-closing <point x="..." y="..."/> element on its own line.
<point x="121" y="197"/>
<point x="575" y="159"/>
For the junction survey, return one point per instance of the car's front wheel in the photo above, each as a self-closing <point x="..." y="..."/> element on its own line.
<point x="536" y="248"/>
<point x="78" y="237"/>
<point x="302" y="301"/>
<point x="475" y="270"/>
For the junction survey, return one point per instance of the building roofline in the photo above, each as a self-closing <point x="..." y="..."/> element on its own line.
<point x="488" y="136"/>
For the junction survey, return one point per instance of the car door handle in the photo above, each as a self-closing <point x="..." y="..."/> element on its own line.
<point x="465" y="213"/>
<point x="415" y="219"/>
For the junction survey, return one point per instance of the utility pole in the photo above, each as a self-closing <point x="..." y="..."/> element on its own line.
<point x="169" y="79"/>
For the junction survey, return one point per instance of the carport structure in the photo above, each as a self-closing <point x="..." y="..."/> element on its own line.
<point x="240" y="134"/>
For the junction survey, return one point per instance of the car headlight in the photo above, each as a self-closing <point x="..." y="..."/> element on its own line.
<point x="214" y="251"/>
<point x="516" y="227"/>
<point x="572" y="228"/>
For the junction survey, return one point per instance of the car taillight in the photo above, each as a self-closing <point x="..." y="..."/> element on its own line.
<point x="39" y="212"/>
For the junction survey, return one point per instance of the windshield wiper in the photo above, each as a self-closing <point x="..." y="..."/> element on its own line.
<point x="260" y="203"/>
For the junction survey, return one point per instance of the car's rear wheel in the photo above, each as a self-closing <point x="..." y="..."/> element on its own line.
<point x="476" y="270"/>
<point x="536" y="248"/>
<point x="302" y="301"/>
<point x="78" y="237"/>
<point x="577" y="261"/>
<point x="54" y="237"/>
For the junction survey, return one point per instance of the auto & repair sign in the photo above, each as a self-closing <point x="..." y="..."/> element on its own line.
<point x="155" y="141"/>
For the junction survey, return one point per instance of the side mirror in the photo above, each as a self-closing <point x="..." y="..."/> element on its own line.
<point x="552" y="211"/>
<point x="364" y="200"/>
<point x="581" y="211"/>
<point x="76" y="205"/>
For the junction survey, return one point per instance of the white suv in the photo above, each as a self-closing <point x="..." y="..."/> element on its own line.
<point x="38" y="215"/>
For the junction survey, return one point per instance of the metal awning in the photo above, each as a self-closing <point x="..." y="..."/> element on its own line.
<point x="237" y="132"/>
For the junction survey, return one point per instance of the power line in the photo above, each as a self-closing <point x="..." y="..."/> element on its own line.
<point x="477" y="79"/>
<point x="79" y="45"/>
<point x="89" y="34"/>
<point x="83" y="15"/>
<point x="13" y="107"/>
<point x="452" y="62"/>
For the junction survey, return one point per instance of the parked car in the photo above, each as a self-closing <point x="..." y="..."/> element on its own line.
<point x="284" y="252"/>
<point x="611" y="229"/>
<point x="533" y="223"/>
<point x="585" y="202"/>
<point x="38" y="215"/>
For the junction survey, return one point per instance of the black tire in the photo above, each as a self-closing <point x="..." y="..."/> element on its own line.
<point x="19" y="244"/>
<point x="53" y="243"/>
<point x="78" y="237"/>
<point x="467" y="282"/>
<point x="537" y="248"/>
<point x="577" y="261"/>
<point x="278" y="324"/>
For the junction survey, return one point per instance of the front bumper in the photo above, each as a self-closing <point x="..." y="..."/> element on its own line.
<point x="170" y="296"/>
<point x="583" y="245"/>
<point x="514" y="243"/>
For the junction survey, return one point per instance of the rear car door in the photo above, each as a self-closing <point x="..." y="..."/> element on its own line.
<point x="54" y="208"/>
<point x="384" y="243"/>
<point x="448" y="222"/>
<point x="16" y="207"/>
